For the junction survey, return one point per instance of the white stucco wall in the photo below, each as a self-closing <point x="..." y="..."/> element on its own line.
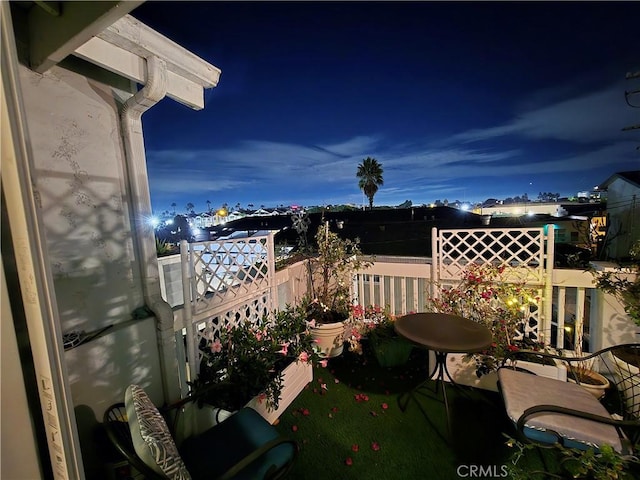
<point x="81" y="189"/>
<point x="623" y="207"/>
<point x="17" y="442"/>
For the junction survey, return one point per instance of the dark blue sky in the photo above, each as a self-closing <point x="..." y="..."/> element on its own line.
<point x="456" y="100"/>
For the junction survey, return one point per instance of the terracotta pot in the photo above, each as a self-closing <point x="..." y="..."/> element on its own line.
<point x="591" y="381"/>
<point x="329" y="338"/>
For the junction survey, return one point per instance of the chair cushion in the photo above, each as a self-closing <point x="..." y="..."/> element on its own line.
<point x="151" y="437"/>
<point x="215" y="451"/>
<point x="522" y="390"/>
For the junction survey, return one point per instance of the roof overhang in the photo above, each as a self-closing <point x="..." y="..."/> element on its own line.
<point x="103" y="33"/>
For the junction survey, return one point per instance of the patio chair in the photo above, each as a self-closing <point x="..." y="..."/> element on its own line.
<point x="243" y="445"/>
<point x="546" y="411"/>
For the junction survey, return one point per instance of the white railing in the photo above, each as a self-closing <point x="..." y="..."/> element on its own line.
<point x="404" y="287"/>
<point x="232" y="280"/>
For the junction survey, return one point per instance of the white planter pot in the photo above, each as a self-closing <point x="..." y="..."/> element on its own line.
<point x="295" y="378"/>
<point x="329" y="338"/>
<point x="595" y="384"/>
<point x="463" y="371"/>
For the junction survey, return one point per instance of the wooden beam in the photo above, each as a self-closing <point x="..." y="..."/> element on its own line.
<point x="132" y="35"/>
<point x="133" y="67"/>
<point x="52" y="38"/>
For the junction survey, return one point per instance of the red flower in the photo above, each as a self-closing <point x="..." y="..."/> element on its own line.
<point x="384" y="406"/>
<point x="375" y="446"/>
<point x="294" y="428"/>
<point x="355" y="447"/>
<point x="348" y="461"/>
<point x="305" y="412"/>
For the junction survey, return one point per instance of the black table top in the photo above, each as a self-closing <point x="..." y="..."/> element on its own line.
<point x="443" y="332"/>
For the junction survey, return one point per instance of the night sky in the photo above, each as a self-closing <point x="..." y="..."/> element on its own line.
<point x="456" y="100"/>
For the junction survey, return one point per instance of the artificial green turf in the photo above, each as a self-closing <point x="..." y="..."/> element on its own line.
<point x="414" y="444"/>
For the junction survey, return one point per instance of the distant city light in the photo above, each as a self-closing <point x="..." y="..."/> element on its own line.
<point x="464" y="206"/>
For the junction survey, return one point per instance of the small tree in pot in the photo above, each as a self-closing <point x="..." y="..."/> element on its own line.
<point x="330" y="273"/>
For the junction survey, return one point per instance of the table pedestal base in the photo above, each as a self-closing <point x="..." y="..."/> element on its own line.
<point x="441" y="368"/>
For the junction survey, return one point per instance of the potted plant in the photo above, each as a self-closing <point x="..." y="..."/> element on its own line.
<point x="328" y="303"/>
<point x="583" y="372"/>
<point x="377" y="325"/>
<point x="495" y="297"/>
<point x="247" y="360"/>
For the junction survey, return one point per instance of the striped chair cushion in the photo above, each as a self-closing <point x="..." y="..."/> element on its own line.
<point x="151" y="437"/>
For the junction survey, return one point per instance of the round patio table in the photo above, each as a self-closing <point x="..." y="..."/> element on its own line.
<point x="443" y="333"/>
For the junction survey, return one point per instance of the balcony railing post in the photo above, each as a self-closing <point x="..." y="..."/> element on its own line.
<point x="544" y="320"/>
<point x="435" y="256"/>
<point x="189" y="299"/>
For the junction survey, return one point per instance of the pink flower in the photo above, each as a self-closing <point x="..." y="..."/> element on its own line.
<point x="294" y="428"/>
<point x="375" y="446"/>
<point x="311" y="324"/>
<point x="348" y="461"/>
<point x="285" y="348"/>
<point x="216" y="347"/>
<point x="385" y="406"/>
<point x="303" y="357"/>
<point x="323" y="363"/>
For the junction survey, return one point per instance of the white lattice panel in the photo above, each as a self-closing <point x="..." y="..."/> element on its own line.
<point x="227" y="281"/>
<point x="522" y="250"/>
<point x="229" y="271"/>
<point x="210" y="328"/>
<point x="514" y="247"/>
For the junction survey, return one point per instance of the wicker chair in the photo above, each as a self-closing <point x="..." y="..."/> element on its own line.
<point x="243" y="445"/>
<point x="547" y="411"/>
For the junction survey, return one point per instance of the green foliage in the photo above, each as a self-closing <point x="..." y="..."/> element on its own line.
<point x="618" y="284"/>
<point x="497" y="298"/>
<point x="602" y="464"/>
<point x="370" y="178"/>
<point x="246" y="360"/>
<point x="163" y="248"/>
<point x="331" y="271"/>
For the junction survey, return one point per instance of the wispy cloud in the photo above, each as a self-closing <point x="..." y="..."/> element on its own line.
<point x="584" y="118"/>
<point x="587" y="125"/>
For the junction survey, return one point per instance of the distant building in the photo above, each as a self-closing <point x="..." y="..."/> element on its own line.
<point x="623" y="212"/>
<point x="518" y="209"/>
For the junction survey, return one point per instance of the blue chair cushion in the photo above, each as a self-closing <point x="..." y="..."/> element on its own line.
<point x="215" y="451"/>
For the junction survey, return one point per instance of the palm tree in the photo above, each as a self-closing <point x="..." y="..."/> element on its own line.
<point x="370" y="178"/>
<point x="190" y="206"/>
<point x="209" y="206"/>
<point x="174" y="207"/>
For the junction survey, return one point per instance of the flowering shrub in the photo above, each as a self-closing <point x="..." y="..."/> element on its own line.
<point x="363" y="321"/>
<point x="372" y="321"/>
<point x="330" y="276"/>
<point x="495" y="297"/>
<point x="246" y="360"/>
